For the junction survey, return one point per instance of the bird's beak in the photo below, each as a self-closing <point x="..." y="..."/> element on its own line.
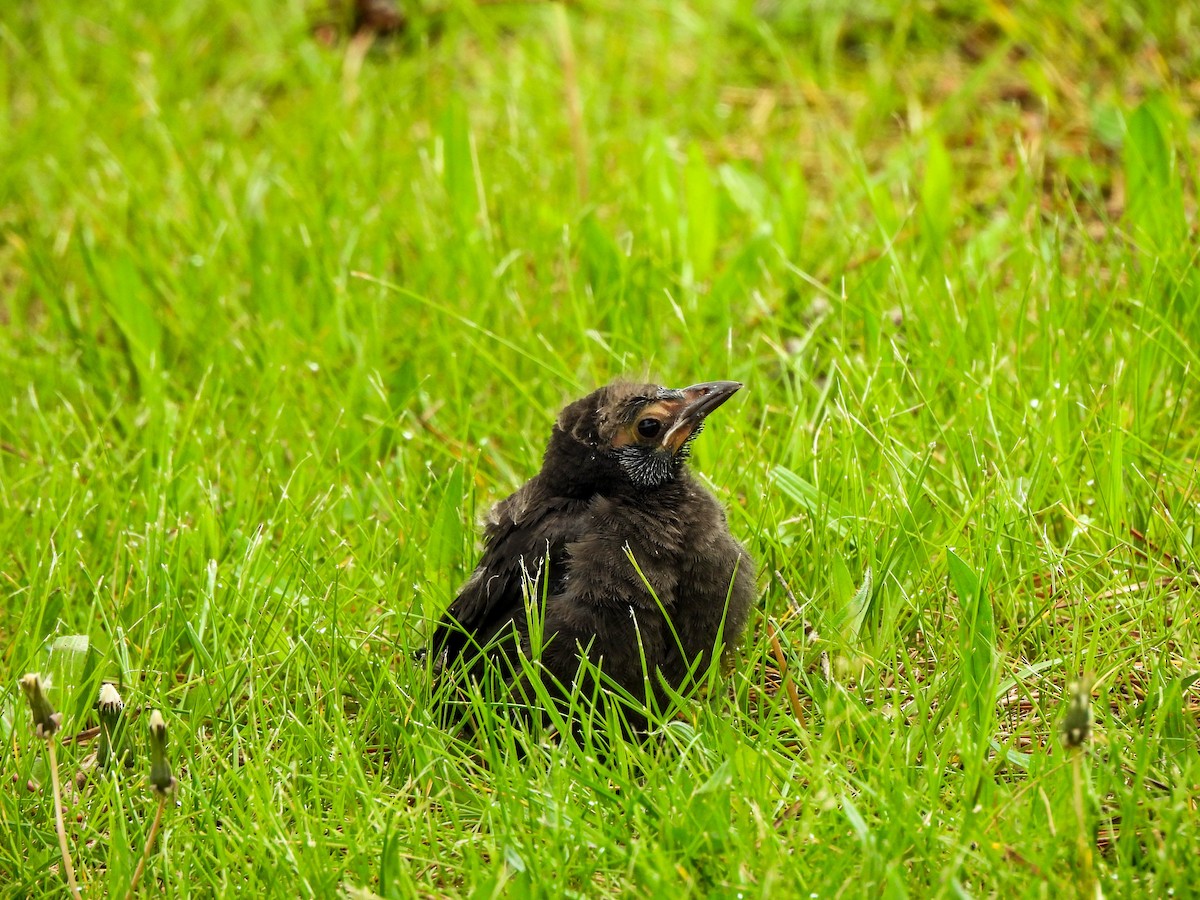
<point x="698" y="401"/>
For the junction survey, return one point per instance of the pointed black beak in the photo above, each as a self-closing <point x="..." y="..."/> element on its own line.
<point x="699" y="400"/>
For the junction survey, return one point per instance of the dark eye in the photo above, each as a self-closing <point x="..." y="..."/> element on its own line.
<point x="648" y="428"/>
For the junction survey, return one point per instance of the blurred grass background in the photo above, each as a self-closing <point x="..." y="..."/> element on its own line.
<point x="284" y="310"/>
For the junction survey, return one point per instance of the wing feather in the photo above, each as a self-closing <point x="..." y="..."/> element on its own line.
<point x="524" y="538"/>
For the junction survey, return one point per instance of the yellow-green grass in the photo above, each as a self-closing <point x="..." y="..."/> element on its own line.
<point x="284" y="312"/>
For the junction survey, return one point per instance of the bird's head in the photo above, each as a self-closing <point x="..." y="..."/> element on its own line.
<point x="636" y="434"/>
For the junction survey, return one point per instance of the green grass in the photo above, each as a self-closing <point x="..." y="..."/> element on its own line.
<point x="281" y="320"/>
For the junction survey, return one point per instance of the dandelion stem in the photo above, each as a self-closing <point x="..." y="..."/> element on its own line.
<point x="141" y="867"/>
<point x="1083" y="844"/>
<point x="58" y="819"/>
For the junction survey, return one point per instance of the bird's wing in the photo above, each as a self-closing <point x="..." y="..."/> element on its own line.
<point x="523" y="539"/>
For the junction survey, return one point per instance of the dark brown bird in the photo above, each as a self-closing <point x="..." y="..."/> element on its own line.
<point x="621" y="554"/>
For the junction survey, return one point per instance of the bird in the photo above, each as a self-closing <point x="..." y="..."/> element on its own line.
<point x="617" y="553"/>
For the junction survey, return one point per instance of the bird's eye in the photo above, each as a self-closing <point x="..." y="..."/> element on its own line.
<point x="648" y="428"/>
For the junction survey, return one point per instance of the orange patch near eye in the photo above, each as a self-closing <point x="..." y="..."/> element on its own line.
<point x="663" y="410"/>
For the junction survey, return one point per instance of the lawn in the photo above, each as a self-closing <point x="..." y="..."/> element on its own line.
<point x="284" y="311"/>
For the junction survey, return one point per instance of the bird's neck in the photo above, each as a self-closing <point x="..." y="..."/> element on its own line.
<point x="578" y="470"/>
<point x="575" y="468"/>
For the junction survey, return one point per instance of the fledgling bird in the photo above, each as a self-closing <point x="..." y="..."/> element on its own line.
<point x="614" y="490"/>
